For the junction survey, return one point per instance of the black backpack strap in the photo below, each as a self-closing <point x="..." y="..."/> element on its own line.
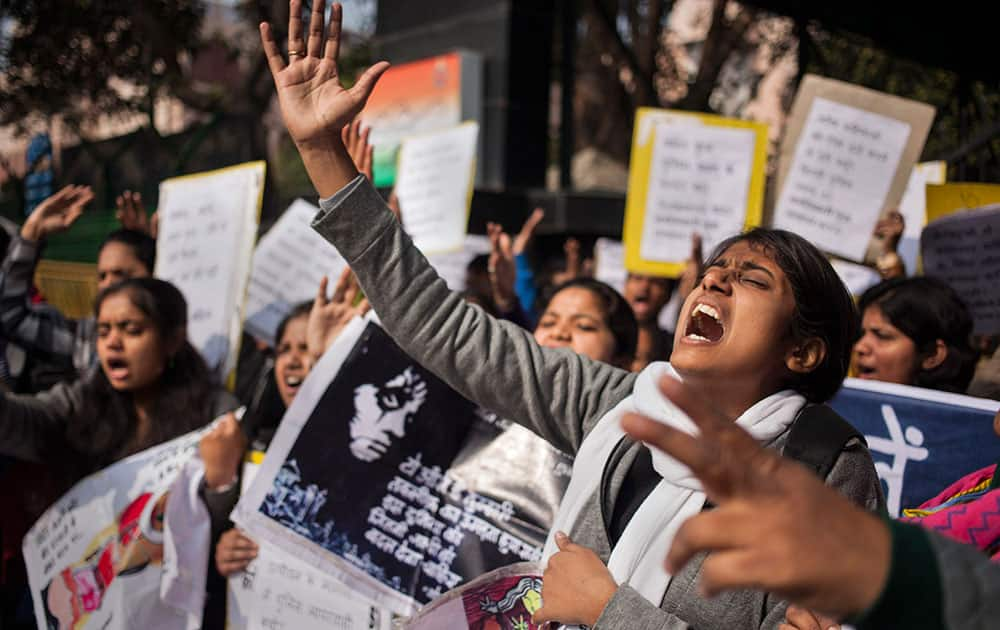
<point x="817" y="437"/>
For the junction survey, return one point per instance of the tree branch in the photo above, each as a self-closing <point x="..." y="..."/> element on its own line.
<point x="646" y="95"/>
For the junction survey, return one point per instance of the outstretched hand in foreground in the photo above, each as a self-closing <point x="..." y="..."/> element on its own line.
<point x="777" y="528"/>
<point x="315" y="105"/>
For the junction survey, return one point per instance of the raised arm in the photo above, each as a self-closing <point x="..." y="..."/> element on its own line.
<point x="556" y="393"/>
<point x="39" y="329"/>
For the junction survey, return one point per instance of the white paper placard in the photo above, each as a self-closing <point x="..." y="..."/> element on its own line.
<point x="857" y="278"/>
<point x="289" y="593"/>
<point x="699" y="182"/>
<point x="963" y="249"/>
<point x="452" y="266"/>
<point x="609" y="263"/>
<point x="842" y="169"/>
<point x="208" y="223"/>
<point x="434" y="186"/>
<point x="288" y="264"/>
<point x="913" y="207"/>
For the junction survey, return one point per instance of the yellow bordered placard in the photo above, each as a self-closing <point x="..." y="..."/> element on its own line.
<point x="946" y="199"/>
<point x="647" y="121"/>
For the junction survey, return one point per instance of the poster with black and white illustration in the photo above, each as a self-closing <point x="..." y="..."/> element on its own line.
<point x="384" y="477"/>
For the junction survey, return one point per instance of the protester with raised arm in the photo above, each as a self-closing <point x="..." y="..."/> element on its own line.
<point x="767" y="329"/>
<point x="125" y="253"/>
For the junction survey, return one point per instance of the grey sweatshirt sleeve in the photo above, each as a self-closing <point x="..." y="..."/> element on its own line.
<point x="31" y="424"/>
<point x="854" y="476"/>
<point x="40" y="329"/>
<point x="627" y="609"/>
<point x="555" y="393"/>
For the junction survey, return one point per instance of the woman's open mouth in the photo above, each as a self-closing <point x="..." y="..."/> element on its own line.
<point x="117" y="369"/>
<point x="864" y="371"/>
<point x="704" y="324"/>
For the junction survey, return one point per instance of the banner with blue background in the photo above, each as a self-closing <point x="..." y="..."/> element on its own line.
<point x="921" y="439"/>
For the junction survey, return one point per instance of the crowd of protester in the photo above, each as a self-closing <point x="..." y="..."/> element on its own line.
<point x="765" y="333"/>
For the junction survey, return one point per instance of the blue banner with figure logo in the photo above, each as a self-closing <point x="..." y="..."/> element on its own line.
<point x="921" y="440"/>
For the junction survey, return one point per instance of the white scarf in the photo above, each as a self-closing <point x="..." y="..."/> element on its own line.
<point x="637" y="559"/>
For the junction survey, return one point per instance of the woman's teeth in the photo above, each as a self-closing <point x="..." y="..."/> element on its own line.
<point x="293" y="381"/>
<point x="704" y="324"/>
<point x="707" y="310"/>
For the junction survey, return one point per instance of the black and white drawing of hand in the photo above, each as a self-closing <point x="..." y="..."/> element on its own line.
<point x="381" y="413"/>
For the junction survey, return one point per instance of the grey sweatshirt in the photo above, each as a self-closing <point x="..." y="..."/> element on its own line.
<point x="556" y="393"/>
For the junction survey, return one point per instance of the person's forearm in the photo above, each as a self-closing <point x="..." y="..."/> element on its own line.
<point x="911" y="596"/>
<point x="494" y="364"/>
<point x="41" y="331"/>
<point x="329" y="165"/>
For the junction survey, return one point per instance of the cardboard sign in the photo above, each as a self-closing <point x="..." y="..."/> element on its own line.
<point x="609" y="263"/>
<point x="845" y="161"/>
<point x="420" y="97"/>
<point x="857" y="278"/>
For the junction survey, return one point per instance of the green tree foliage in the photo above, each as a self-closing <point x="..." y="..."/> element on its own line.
<point x="60" y="57"/>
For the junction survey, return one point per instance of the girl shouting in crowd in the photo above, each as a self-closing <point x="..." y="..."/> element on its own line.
<point x="125" y="253"/>
<point x="768" y="329"/>
<point x="915" y="331"/>
<point x="152" y="386"/>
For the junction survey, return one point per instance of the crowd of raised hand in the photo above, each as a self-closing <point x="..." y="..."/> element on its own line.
<point x="703" y="524"/>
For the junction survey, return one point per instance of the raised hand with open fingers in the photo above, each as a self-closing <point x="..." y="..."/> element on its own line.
<point x="502" y="271"/>
<point x="573" y="263"/>
<point x="132" y="214"/>
<point x="527" y="232"/>
<point x="361" y="151"/>
<point x="329" y="316"/>
<point x="576" y="585"/>
<point x="315" y="105"/>
<point x="777" y="528"/>
<point x="57" y="213"/>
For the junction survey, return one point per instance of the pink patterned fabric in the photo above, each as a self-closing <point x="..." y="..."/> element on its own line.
<point x="967" y="511"/>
